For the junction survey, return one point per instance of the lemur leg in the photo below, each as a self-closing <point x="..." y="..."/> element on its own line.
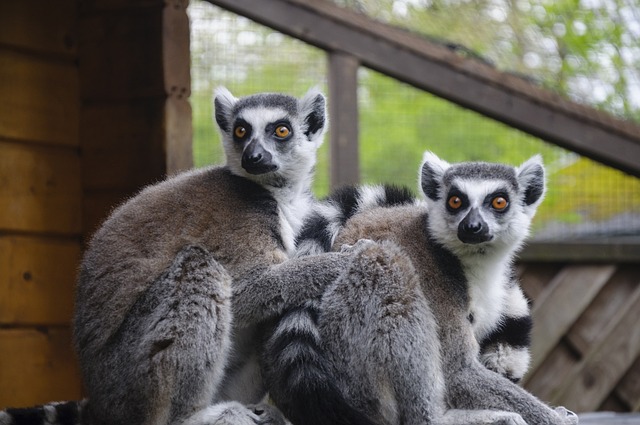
<point x="470" y="385"/>
<point x="175" y="340"/>
<point x="382" y="336"/>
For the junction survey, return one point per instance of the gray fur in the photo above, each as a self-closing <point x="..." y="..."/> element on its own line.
<point x="174" y="285"/>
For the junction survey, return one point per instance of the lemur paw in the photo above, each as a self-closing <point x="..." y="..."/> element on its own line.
<point x="234" y="413"/>
<point x="567" y="416"/>
<point x="267" y="414"/>
<point x="510" y="362"/>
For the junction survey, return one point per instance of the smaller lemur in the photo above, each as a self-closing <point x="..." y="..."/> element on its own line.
<point x="399" y="334"/>
<point x="499" y="310"/>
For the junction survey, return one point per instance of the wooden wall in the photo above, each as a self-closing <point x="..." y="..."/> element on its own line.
<point x="94" y="105"/>
<point x="40" y="198"/>
<point x="586" y="339"/>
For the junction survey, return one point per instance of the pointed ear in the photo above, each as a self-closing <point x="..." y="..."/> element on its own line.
<point x="532" y="181"/>
<point x="223" y="103"/>
<point x="314" y="112"/>
<point x="431" y="173"/>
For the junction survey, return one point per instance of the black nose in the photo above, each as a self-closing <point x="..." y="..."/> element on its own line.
<point x="256" y="159"/>
<point x="473" y="229"/>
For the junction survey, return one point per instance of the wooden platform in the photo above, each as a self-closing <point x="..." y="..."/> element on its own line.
<point x="609" y="418"/>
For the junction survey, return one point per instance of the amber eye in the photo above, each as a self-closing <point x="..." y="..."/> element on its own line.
<point x="282" y="131"/>
<point x="455" y="202"/>
<point x="499" y="203"/>
<point x="240" y="132"/>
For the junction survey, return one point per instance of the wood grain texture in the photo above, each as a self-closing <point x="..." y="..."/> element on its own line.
<point x="562" y="302"/>
<point x="606" y="362"/>
<point x="41" y="26"/>
<point x="123" y="144"/>
<point x="40" y="99"/>
<point x="121" y="54"/>
<point x="343" y="115"/>
<point x="37" y="280"/>
<point x="40" y="189"/>
<point x="37" y="366"/>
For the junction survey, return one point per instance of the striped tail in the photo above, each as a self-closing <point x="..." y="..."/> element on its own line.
<point x="322" y="226"/>
<point x="297" y="373"/>
<point x="57" y="413"/>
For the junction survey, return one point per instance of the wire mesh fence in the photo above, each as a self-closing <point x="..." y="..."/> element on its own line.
<point x="398" y="122"/>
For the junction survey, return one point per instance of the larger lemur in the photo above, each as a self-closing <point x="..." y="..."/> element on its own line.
<point x="174" y="284"/>
<point x="398" y="334"/>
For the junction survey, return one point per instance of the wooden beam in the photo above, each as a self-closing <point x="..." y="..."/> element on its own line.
<point x="343" y="118"/>
<point x="610" y="251"/>
<point x="465" y="81"/>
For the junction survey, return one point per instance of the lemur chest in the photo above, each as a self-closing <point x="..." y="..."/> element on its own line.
<point x="487" y="285"/>
<point x="291" y="214"/>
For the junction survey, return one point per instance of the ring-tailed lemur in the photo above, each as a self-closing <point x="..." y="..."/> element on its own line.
<point x="397" y="335"/>
<point x="174" y="284"/>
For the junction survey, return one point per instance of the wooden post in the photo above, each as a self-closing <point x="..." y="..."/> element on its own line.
<point x="343" y="115"/>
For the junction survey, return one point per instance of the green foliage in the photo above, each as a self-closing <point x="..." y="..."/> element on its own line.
<point x="398" y="123"/>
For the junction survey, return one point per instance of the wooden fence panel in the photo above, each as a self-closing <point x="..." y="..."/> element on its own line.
<point x="561" y="304"/>
<point x="607" y="361"/>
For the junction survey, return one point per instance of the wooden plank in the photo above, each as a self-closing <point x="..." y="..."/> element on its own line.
<point x="177" y="76"/>
<point x="542" y="380"/>
<point x="628" y="389"/>
<point x="37" y="280"/>
<point x="37" y="366"/>
<point x="123" y="144"/>
<point x="92" y="6"/>
<point x="583" y="251"/>
<point x="175" y="50"/>
<point x="40" y="189"/>
<point x="562" y="302"/>
<point x="121" y="55"/>
<point x="609" y="418"/>
<point x="589" y="328"/>
<point x="343" y="115"/>
<point x="40" y="99"/>
<point x="534" y="277"/>
<point x="179" y="135"/>
<point x="40" y="25"/>
<point x="465" y="81"/>
<point x="607" y="363"/>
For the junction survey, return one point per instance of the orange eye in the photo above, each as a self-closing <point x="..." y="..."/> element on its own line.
<point x="455" y="202"/>
<point x="240" y="132"/>
<point x="282" y="131"/>
<point x="499" y="203"/>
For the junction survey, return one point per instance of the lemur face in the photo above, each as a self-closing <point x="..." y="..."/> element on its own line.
<point x="270" y="138"/>
<point x="474" y="206"/>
